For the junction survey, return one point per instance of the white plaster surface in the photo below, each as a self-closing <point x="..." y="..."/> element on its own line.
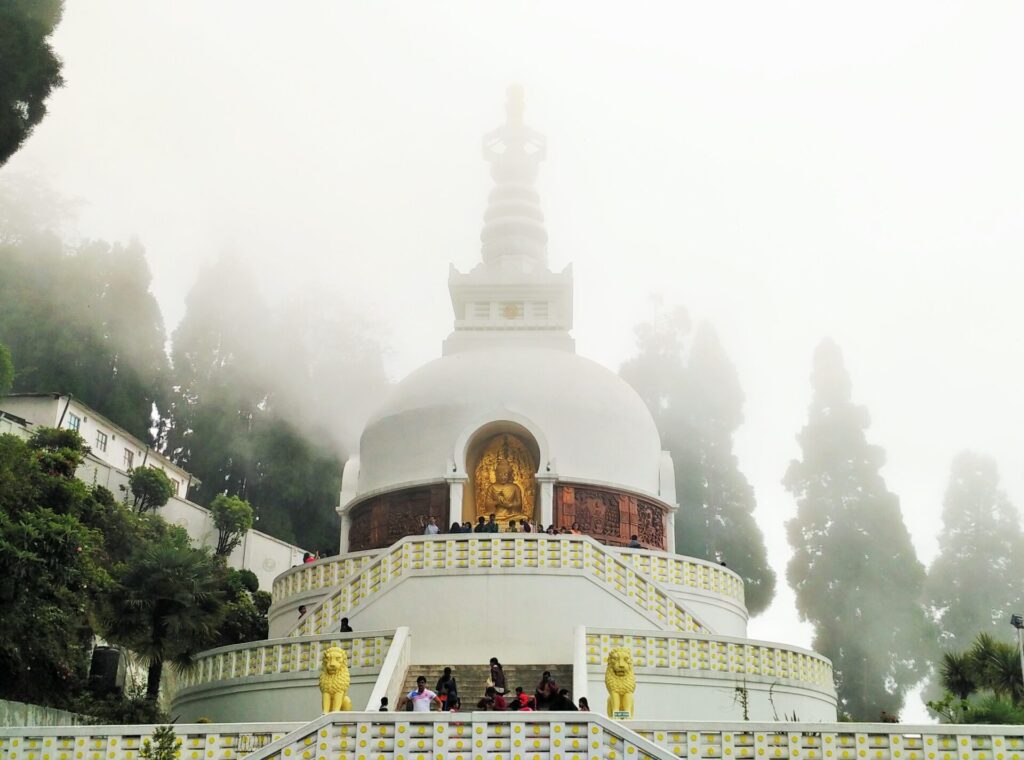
<point x="279" y="697"/>
<point x="686" y="696"/>
<point x="526" y="618"/>
<point x="597" y="428"/>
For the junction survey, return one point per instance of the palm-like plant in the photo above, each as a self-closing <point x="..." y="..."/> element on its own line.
<point x="995" y="665"/>
<point x="957" y="674"/>
<point x="166" y="607"/>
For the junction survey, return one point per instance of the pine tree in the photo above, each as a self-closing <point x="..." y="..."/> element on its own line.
<point x="698" y="405"/>
<point x="854" y="570"/>
<point x="974" y="584"/>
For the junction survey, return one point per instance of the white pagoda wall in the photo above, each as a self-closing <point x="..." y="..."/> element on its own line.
<point x="466" y="620"/>
<point x="721" y="609"/>
<point x="677" y="697"/>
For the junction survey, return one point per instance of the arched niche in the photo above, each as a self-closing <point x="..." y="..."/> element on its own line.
<point x="502" y="460"/>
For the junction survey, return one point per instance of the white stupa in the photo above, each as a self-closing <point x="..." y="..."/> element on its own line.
<point x="510" y="422"/>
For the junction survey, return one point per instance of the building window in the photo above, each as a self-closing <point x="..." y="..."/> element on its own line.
<point x="129" y="459"/>
<point x="177" y="486"/>
<point x="74" y="422"/>
<point x="101" y="440"/>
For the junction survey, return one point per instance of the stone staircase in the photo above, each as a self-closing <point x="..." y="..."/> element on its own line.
<point x="472" y="679"/>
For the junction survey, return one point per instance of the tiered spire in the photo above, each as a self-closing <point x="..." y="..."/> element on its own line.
<point x="511" y="298"/>
<point x="514" y="237"/>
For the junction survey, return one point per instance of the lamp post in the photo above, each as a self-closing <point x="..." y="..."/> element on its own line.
<point x="1017" y="621"/>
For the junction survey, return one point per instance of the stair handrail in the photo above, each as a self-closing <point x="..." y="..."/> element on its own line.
<point x="598" y="562"/>
<point x="329" y="571"/>
<point x="392" y="671"/>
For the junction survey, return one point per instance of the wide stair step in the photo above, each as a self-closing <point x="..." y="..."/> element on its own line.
<point x="472" y="679"/>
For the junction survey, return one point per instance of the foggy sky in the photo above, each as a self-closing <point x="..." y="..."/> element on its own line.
<point x="786" y="171"/>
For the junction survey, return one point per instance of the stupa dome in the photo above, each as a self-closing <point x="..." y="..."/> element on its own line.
<point x="588" y="423"/>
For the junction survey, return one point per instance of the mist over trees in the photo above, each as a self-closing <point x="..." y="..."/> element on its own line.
<point x="81" y="319"/>
<point x="262" y="403"/>
<point x="974" y="583"/>
<point x="259" y="412"/>
<point x="697" y="404"/>
<point x="854" y="569"/>
<point x="30" y="69"/>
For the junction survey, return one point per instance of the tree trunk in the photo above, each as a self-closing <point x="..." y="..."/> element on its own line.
<point x="156" y="669"/>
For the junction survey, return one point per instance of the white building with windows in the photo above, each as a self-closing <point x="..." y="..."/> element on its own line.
<point x="114" y="452"/>
<point x="110" y="443"/>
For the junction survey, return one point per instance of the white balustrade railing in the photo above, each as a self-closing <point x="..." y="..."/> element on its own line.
<point x="526" y="736"/>
<point x="833" y="741"/>
<point x="688" y="572"/>
<point x="715" y="655"/>
<point x="321" y="574"/>
<point x="463" y="736"/>
<point x="194" y="741"/>
<point x="563" y="554"/>
<point x="670" y="569"/>
<point x="287" y="655"/>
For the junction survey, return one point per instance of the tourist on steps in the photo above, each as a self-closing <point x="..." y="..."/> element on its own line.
<point x="497" y="679"/>
<point x="546" y="690"/>
<point x="421" y="697"/>
<point x="563" y="702"/>
<point x="447" y="688"/>
<point x="492" y="700"/>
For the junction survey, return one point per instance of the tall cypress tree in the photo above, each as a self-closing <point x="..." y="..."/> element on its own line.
<point x="974" y="584"/>
<point x="854" y="570"/>
<point x="697" y="404"/>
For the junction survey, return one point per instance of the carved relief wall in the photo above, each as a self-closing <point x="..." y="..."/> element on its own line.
<point x="611" y="516"/>
<point x="382" y="520"/>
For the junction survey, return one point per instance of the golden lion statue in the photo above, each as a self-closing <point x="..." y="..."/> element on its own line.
<point x="620" y="681"/>
<point x="334" y="680"/>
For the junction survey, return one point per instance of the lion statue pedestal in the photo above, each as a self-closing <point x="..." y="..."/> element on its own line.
<point x="620" y="682"/>
<point x="335" y="681"/>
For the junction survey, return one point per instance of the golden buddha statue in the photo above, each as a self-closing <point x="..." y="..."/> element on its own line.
<point x="504" y="496"/>
<point x="505" y="482"/>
